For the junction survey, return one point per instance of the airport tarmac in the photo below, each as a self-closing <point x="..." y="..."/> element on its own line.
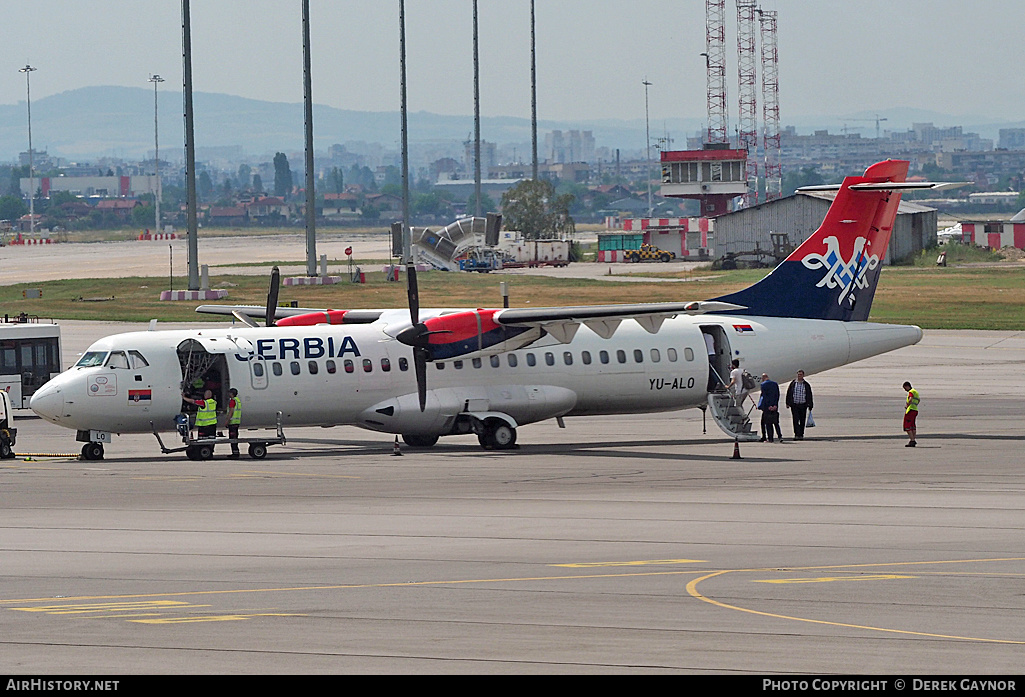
<point x="619" y="545"/>
<point x="241" y="255"/>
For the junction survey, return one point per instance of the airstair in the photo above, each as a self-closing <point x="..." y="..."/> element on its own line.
<point x="731" y="416"/>
<point x="442" y="248"/>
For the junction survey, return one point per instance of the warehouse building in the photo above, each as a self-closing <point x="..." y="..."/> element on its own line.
<point x="748" y="234"/>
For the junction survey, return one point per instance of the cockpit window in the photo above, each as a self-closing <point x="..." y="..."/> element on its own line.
<point x="137" y="360"/>
<point x="118" y="359"/>
<point x="91" y="358"/>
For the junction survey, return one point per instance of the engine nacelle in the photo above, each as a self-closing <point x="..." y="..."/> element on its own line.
<point x="523" y="403"/>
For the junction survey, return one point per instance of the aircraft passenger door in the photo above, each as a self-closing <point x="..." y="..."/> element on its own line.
<point x="719" y="355"/>
<point x="257" y="363"/>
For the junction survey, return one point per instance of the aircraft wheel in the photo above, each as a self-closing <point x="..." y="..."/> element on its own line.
<point x="257" y="451"/>
<point x="92" y="451"/>
<point x="419" y="441"/>
<point x="498" y="435"/>
<point x="205" y="452"/>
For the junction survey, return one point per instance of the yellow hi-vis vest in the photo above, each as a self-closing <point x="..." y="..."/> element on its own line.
<point x="913" y="400"/>
<point x="236" y="415"/>
<point x="207" y="414"/>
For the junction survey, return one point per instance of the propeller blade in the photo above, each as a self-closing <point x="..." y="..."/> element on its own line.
<point x="420" y="365"/>
<point x="413" y="293"/>
<point x="272" y="295"/>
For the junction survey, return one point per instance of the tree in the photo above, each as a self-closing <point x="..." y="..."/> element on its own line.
<point x="533" y="208"/>
<point x="244" y="176"/>
<point x="338" y="180"/>
<point x="282" y="175"/>
<point x="806" y="176"/>
<point x="258" y="183"/>
<point x="486" y="203"/>
<point x="12" y="208"/>
<point x="205" y="184"/>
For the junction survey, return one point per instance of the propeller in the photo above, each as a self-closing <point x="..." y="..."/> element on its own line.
<point x="272" y="295"/>
<point x="416" y="336"/>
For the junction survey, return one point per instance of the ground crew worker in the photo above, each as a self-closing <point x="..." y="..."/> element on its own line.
<point x="234" y="420"/>
<point x="206" y="414"/>
<point x="911" y="414"/>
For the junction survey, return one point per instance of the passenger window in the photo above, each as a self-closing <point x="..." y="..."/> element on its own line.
<point x="276" y="368"/>
<point x="458" y="365"/>
<point x="603" y="356"/>
<point x="585" y="356"/>
<point x="403" y="364"/>
<point x="496" y="362"/>
<point x="137" y="360"/>
<point x="513" y="360"/>
<point x="349" y="367"/>
<point x="638" y="356"/>
<point x="117" y="359"/>
<point x="476" y="363"/>
<point x="440" y="366"/>
<point x="332" y="368"/>
<point x="258" y="369"/>
<point x="386" y="365"/>
<point x="621" y="356"/>
<point x="567" y="358"/>
<point x="549" y="358"/>
<point x="368" y="365"/>
<point x="531" y="360"/>
<point x="671" y="354"/>
<point x="313" y="367"/>
<point x="294" y="367"/>
<point x="655" y="356"/>
<point x="687" y="353"/>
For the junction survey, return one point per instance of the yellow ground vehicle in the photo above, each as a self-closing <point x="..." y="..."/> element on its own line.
<point x="649" y="252"/>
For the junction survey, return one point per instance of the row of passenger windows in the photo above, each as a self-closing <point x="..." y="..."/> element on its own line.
<point x="512" y="360"/>
<point x="331" y="366"/>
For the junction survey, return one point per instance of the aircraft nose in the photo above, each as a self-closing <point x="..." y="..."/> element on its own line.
<point x="48" y="402"/>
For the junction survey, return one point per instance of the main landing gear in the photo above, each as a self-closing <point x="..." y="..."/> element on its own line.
<point x="492" y="434"/>
<point x="497" y="435"/>
<point x="92" y="451"/>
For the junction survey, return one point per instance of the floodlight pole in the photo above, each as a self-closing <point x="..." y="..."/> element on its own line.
<point x="156" y="79"/>
<point x="311" y="198"/>
<point x="533" y="91"/>
<point x="28" y="70"/>
<point x="407" y="241"/>
<point x="476" y="116"/>
<point x="647" y="141"/>
<point x="192" y="223"/>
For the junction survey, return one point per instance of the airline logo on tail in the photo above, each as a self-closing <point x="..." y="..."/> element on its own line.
<point x="846" y="274"/>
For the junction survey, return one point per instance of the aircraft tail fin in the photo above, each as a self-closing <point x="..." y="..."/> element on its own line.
<point x="834" y="273"/>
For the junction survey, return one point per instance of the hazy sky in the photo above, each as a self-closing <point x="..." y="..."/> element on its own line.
<point x="836" y="57"/>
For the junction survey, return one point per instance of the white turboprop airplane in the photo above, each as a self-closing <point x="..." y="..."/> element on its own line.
<point x="495" y="370"/>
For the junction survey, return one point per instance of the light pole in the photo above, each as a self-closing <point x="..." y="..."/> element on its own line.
<point x="156" y="79"/>
<point x="533" y="92"/>
<point x="28" y="70"/>
<point x="647" y="141"/>
<point x="476" y="117"/>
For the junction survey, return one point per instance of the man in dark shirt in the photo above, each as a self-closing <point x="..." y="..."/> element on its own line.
<point x="768" y="403"/>
<point x="799" y="402"/>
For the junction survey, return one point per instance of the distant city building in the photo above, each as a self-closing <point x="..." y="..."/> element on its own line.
<point x="570" y="146"/>
<point x="116" y="187"/>
<point x="488" y="156"/>
<point x="1012" y="139"/>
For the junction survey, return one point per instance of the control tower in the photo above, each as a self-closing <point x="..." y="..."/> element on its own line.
<point x="713" y="175"/>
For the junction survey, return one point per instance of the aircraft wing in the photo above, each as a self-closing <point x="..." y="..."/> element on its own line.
<point x="260" y="312"/>
<point x="562" y="322"/>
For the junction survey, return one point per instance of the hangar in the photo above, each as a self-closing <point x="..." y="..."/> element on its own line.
<point x="747" y="234"/>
